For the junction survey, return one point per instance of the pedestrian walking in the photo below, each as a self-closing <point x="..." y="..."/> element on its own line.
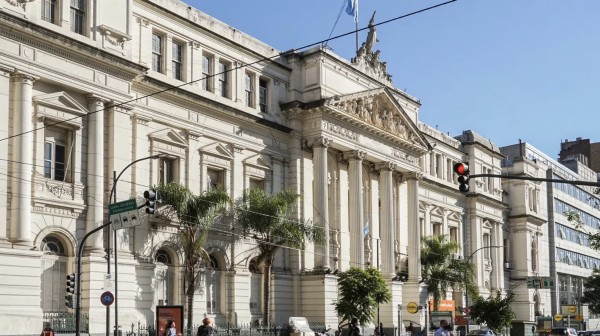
<point x="410" y="328"/>
<point x="205" y="329"/>
<point x="379" y="330"/>
<point x="47" y="331"/>
<point x="353" y="329"/>
<point x="444" y="329"/>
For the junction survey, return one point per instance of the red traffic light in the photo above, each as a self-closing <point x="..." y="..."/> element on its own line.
<point x="461" y="169"/>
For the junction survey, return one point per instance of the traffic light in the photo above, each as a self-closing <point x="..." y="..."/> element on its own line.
<point x="462" y="170"/>
<point x="150" y="196"/>
<point x="70" y="290"/>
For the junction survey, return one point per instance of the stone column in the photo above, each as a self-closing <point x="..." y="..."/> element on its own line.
<point x="414" y="234"/>
<point x="22" y="144"/>
<point x="386" y="234"/>
<point x="4" y="157"/>
<point x="95" y="171"/>
<point x="321" y="208"/>
<point x="355" y="207"/>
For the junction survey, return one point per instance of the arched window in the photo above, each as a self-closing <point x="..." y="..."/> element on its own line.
<point x="165" y="273"/>
<point x="53" y="273"/>
<point x="255" y="287"/>
<point x="213" y="287"/>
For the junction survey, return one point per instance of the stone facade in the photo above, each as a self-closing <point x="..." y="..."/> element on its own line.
<point x="86" y="90"/>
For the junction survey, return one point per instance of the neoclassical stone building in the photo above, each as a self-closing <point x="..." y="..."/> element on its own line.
<point x="87" y="89"/>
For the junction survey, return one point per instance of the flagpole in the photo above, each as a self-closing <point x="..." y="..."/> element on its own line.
<point x="356" y="32"/>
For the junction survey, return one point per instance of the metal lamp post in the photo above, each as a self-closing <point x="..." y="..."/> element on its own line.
<point x="82" y="244"/>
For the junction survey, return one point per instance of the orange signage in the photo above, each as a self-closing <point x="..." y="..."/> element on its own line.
<point x="443" y="305"/>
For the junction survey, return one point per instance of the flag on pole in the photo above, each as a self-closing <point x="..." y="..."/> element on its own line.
<point x="352" y="9"/>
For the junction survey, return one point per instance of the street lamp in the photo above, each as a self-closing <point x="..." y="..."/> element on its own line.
<point x="469" y="261"/>
<point x="82" y="244"/>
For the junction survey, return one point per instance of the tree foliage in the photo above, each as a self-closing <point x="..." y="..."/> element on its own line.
<point x="494" y="311"/>
<point x="591" y="295"/>
<point x="195" y="215"/>
<point x="360" y="291"/>
<point x="441" y="271"/>
<point x="270" y="220"/>
<point x="594" y="238"/>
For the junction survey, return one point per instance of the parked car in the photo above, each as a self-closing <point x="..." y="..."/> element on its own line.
<point x="563" y="332"/>
<point x="482" y="332"/>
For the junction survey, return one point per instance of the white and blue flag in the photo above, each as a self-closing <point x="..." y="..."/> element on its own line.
<point x="352" y="9"/>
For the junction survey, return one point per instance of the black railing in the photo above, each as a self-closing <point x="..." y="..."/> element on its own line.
<point x="64" y="323"/>
<point x="225" y="330"/>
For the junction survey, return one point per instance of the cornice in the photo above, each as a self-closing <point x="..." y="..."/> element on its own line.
<point x="55" y="43"/>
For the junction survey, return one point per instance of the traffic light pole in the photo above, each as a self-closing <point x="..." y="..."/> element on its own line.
<point x="82" y="244"/>
<point x="515" y="177"/>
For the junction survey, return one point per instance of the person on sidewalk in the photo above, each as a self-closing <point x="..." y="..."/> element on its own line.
<point x="353" y="329"/>
<point x="205" y="329"/>
<point x="47" y="331"/>
<point x="444" y="329"/>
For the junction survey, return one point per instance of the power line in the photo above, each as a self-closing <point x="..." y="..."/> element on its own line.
<point x="264" y="59"/>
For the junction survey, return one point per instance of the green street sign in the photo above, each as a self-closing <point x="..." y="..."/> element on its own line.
<point x="120" y="207"/>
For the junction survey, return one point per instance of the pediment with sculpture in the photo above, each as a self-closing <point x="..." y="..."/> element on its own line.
<point x="379" y="109"/>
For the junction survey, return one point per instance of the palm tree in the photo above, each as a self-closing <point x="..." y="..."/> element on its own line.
<point x="195" y="215"/>
<point x="440" y="270"/>
<point x="269" y="218"/>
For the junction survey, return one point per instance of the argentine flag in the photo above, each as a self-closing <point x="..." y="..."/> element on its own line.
<point x="352" y="9"/>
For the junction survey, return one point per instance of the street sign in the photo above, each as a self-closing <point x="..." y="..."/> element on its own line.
<point x="540" y="283"/>
<point x="572" y="309"/>
<point x="124" y="214"/>
<point x="107" y="298"/>
<point x="557" y="317"/>
<point x="412" y="307"/>
<point x="579" y="318"/>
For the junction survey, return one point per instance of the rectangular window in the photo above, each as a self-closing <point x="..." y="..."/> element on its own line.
<point x="166" y="170"/>
<point x="437" y="229"/>
<point x="215" y="178"/>
<point x="77" y="16"/>
<point x="249" y="89"/>
<point x="223" y="79"/>
<point x="177" y="61"/>
<point x="206" y="72"/>
<point x="262" y="95"/>
<point x="49" y="10"/>
<point x="157" y="47"/>
<point x="55" y="154"/>
<point x="256" y="183"/>
<point x="454" y="234"/>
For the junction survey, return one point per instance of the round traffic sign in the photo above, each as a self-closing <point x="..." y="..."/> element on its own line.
<point x="412" y="307"/>
<point x="107" y="298"/>
<point x="579" y="318"/>
<point x="557" y="317"/>
<point x="572" y="309"/>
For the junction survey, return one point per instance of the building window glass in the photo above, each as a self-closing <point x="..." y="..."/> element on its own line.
<point x="223" y="79"/>
<point x="166" y="170"/>
<point x="437" y="229"/>
<point x="49" y="10"/>
<point x="206" y="72"/>
<point x="215" y="178"/>
<point x="454" y="234"/>
<point x="262" y="95"/>
<point x="177" y="61"/>
<point x="257" y="184"/>
<point x="255" y="287"/>
<point x="157" y="47"/>
<point x="56" y="147"/>
<point x="77" y="15"/>
<point x="213" y="287"/>
<point x="249" y="89"/>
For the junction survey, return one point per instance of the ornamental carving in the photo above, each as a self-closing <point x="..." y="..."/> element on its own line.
<point x="321" y="142"/>
<point x="344" y="132"/>
<point x="368" y="60"/>
<point x="355" y="155"/>
<point x="20" y="3"/>
<point x="377" y="111"/>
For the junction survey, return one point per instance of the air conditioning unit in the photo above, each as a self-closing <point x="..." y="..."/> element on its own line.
<point x="457" y="256"/>
<point x="508" y="265"/>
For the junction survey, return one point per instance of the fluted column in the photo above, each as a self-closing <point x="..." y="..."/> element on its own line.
<point x="355" y="207"/>
<point x="386" y="234"/>
<point x="4" y="156"/>
<point x="95" y="170"/>
<point x="414" y="232"/>
<point x="321" y="198"/>
<point x="22" y="143"/>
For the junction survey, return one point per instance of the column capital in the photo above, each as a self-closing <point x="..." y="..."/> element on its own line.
<point x="355" y="155"/>
<point x="6" y="70"/>
<point x="386" y="165"/>
<point x="321" y="142"/>
<point x="412" y="176"/>
<point x="94" y="98"/>
<point x="25" y="78"/>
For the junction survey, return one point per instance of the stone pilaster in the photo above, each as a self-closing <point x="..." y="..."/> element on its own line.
<point x="22" y="143"/>
<point x="321" y="212"/>
<point x="414" y="232"/>
<point x="95" y="171"/>
<point x="386" y="197"/>
<point x="355" y="207"/>
<point x="4" y="157"/>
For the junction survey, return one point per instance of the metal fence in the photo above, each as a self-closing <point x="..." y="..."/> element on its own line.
<point x="64" y="323"/>
<point x="225" y="330"/>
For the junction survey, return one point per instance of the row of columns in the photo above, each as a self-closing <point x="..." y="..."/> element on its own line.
<point x="16" y="88"/>
<point x="356" y="209"/>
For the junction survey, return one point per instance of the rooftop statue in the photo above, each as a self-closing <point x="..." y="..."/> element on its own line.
<point x="368" y="60"/>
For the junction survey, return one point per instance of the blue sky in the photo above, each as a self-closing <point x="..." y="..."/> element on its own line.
<point x="507" y="69"/>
